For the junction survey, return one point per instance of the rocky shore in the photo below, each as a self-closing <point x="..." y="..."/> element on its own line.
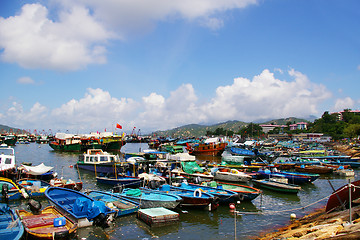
<point x="320" y="225"/>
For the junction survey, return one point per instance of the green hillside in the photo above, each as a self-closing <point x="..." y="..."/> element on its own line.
<point x="196" y="130"/>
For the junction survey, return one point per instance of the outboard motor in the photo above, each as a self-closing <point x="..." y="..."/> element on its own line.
<point x="5" y="191"/>
<point x="117" y="189"/>
<point x="61" y="235"/>
<point x="35" y="206"/>
<point x="101" y="221"/>
<point x="153" y="184"/>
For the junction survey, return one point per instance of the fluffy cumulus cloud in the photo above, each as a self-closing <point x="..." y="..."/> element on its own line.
<point x="266" y="97"/>
<point x="262" y="97"/>
<point x="69" y="35"/>
<point x="343" y="103"/>
<point x="97" y="109"/>
<point x="33" y="40"/>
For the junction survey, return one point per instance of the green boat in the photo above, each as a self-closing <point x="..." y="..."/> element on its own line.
<point x="277" y="186"/>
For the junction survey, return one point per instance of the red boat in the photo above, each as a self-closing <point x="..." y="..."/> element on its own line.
<point x="341" y="196"/>
<point x="212" y="149"/>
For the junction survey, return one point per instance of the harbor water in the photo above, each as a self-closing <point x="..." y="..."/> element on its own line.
<point x="266" y="213"/>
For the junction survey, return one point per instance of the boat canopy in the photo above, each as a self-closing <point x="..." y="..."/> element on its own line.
<point x="37" y="170"/>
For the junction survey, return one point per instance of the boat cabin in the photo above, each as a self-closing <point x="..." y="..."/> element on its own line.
<point x="7" y="158"/>
<point x="98" y="156"/>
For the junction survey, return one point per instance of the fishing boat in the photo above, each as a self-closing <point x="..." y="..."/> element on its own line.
<point x="246" y="193"/>
<point x="48" y="224"/>
<point x="314" y="169"/>
<point x="148" y="198"/>
<point x="10" y="225"/>
<point x="225" y="196"/>
<point x="276" y="185"/>
<point x="80" y="208"/>
<point x="40" y="171"/>
<point x="230" y="175"/>
<point x="120" y="205"/>
<point x="60" y="182"/>
<point x="7" y="162"/>
<point x="212" y="147"/>
<point x="66" y="142"/>
<point x="192" y="198"/>
<point x="292" y="178"/>
<point x="340" y="197"/>
<point x="122" y="180"/>
<point x="11" y="191"/>
<point x="98" y="161"/>
<point x="34" y="187"/>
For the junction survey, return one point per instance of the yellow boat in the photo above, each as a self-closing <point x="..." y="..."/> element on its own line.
<point x="49" y="224"/>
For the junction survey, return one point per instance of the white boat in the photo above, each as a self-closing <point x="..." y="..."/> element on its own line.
<point x="231" y="175"/>
<point x="7" y="158"/>
<point x="345" y="172"/>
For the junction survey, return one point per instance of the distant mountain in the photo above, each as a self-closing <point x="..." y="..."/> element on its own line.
<point x="197" y="130"/>
<point x="4" y="128"/>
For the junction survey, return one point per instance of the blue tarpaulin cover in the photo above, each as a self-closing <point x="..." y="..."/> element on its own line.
<point x="84" y="206"/>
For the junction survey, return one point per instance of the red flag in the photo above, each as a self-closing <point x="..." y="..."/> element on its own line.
<point x="118" y="126"/>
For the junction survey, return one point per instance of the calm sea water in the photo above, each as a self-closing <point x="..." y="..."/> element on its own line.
<point x="268" y="211"/>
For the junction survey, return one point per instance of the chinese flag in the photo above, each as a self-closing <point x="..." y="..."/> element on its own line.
<point x="118" y="126"/>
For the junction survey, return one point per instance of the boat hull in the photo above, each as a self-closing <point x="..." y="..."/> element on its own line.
<point x="10" y="225"/>
<point x="41" y="226"/>
<point x="277" y="186"/>
<point x="341" y="196"/>
<point x="122" y="181"/>
<point x="246" y="193"/>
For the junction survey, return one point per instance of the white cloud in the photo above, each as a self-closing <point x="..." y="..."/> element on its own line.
<point x="76" y="32"/>
<point x="344" y="103"/>
<point x="263" y="96"/>
<point x="25" y="80"/>
<point x="33" y="40"/>
<point x="266" y="97"/>
<point x="97" y="109"/>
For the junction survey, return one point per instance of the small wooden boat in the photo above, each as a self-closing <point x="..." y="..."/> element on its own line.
<point x="48" y="224"/>
<point x="246" y="193"/>
<point x="80" y="208"/>
<point x="341" y="196"/>
<point x="126" y="181"/>
<point x="11" y="191"/>
<point x="59" y="182"/>
<point x="225" y="196"/>
<point x="10" y="225"/>
<point x="231" y="175"/>
<point x="314" y="169"/>
<point x="120" y="205"/>
<point x="40" y="171"/>
<point x="151" y="199"/>
<point x="277" y="185"/>
<point x="192" y="198"/>
<point x="34" y="187"/>
<point x="292" y="178"/>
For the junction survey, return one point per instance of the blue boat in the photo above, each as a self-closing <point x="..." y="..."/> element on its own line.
<point x="10" y="191"/>
<point x="120" y="205"/>
<point x="80" y="208"/>
<point x="225" y="196"/>
<point x="313" y="176"/>
<point x="10" y="224"/>
<point x="34" y="187"/>
<point x="292" y="178"/>
<point x="125" y="181"/>
<point x="151" y="199"/>
<point x="192" y="198"/>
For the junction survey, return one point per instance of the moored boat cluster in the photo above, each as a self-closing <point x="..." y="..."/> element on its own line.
<point x="169" y="177"/>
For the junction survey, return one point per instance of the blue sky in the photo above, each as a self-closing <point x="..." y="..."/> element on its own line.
<point x="85" y="65"/>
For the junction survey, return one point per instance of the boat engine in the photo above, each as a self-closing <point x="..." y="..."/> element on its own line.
<point x="61" y="235"/>
<point x="35" y="206"/>
<point x="154" y="184"/>
<point x="5" y="191"/>
<point x="101" y="221"/>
